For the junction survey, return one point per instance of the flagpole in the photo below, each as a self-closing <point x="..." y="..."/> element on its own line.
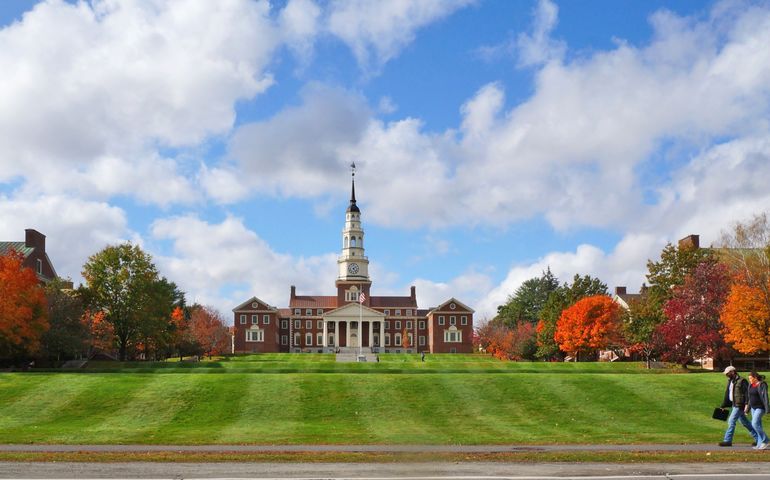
<point x="360" y="320"/>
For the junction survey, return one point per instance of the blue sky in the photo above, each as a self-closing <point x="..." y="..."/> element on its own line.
<point x="493" y="138"/>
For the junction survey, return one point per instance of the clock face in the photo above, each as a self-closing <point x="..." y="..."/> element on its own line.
<point x="353" y="268"/>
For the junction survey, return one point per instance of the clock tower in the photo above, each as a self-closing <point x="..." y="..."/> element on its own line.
<point x="353" y="266"/>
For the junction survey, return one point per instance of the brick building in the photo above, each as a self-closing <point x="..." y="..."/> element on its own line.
<point x="33" y="251"/>
<point x="353" y="318"/>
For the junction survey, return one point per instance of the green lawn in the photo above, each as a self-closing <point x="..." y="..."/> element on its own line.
<point x="492" y="402"/>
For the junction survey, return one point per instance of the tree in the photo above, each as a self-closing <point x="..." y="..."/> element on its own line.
<point x="405" y="339"/>
<point x="156" y="332"/>
<point x="561" y="298"/>
<point x="670" y="271"/>
<point x="746" y="319"/>
<point x="209" y="330"/>
<point x="23" y="309"/>
<point x="591" y="323"/>
<point x="746" y="250"/>
<point x="506" y="343"/>
<point x="691" y="328"/>
<point x="68" y="335"/>
<point x="525" y="304"/>
<point x="121" y="279"/>
<point x="640" y="324"/>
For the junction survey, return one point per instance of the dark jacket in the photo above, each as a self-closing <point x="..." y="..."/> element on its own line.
<point x="740" y="392"/>
<point x="763" y="395"/>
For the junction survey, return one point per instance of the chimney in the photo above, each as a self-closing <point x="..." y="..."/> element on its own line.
<point x="690" y="242"/>
<point x="414" y="294"/>
<point x="34" y="239"/>
<point x="293" y="292"/>
<point x="620" y="291"/>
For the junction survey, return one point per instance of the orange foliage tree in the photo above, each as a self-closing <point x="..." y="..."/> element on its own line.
<point x="746" y="319"/>
<point x="208" y="328"/>
<point x="589" y="324"/>
<point x="23" y="308"/>
<point x="405" y="339"/>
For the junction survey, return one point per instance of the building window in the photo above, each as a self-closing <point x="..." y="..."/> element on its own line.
<point x="297" y="338"/>
<point x="265" y="319"/>
<point x="255" y="305"/>
<point x="397" y="339"/>
<point x="297" y="311"/>
<point x="387" y="311"/>
<point x="387" y="339"/>
<point x="319" y="339"/>
<point x="308" y="311"/>
<point x="387" y="324"/>
<point x="422" y="324"/>
<point x="284" y="324"/>
<point x="320" y="325"/>
<point x="422" y="340"/>
<point x="409" y="313"/>
<point x="309" y="324"/>
<point x="452" y="306"/>
<point x="398" y="324"/>
<point x="411" y="339"/>
<point x="39" y="266"/>
<point x="254" y="320"/>
<point x="409" y="324"/>
<point x="464" y="320"/>
<point x="308" y="339"/>
<point x="452" y="320"/>
<point x="398" y="312"/>
<point x="297" y="324"/>
<point x="284" y="339"/>
<point x="440" y="319"/>
<point x="319" y="312"/>
<point x="255" y="335"/>
<point x="243" y="319"/>
<point x="453" y="336"/>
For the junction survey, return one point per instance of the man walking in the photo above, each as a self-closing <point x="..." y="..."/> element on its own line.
<point x="736" y="396"/>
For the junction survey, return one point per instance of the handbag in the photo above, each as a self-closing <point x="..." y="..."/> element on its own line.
<point x="720" y="414"/>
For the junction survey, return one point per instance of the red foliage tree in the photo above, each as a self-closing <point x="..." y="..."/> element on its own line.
<point x="23" y="308"/>
<point x="591" y="323"/>
<point x="209" y="330"/>
<point x="102" y="333"/>
<point x="691" y="328"/>
<point x="506" y="343"/>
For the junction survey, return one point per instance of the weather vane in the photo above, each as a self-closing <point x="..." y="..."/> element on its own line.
<point x="353" y="168"/>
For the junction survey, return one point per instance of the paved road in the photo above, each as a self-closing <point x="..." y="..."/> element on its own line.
<point x="405" y="471"/>
<point x="376" y="448"/>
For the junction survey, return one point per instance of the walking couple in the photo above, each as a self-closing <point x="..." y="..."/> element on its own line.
<point x="744" y="396"/>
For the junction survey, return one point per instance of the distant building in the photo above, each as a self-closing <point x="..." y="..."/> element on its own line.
<point x="353" y="319"/>
<point x="33" y="251"/>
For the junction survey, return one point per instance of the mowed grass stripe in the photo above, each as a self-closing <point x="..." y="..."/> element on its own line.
<point x="471" y="408"/>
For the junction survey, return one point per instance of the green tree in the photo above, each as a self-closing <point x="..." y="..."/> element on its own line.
<point x="528" y="300"/>
<point x="558" y="300"/>
<point x="639" y="325"/>
<point x="670" y="271"/>
<point x="68" y="335"/>
<point x="156" y="331"/>
<point x="121" y="280"/>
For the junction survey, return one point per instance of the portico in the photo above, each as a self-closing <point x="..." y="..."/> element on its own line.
<point x="362" y="327"/>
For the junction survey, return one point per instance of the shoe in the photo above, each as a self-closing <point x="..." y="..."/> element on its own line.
<point x="761" y="446"/>
<point x="754" y="443"/>
<point x="725" y="444"/>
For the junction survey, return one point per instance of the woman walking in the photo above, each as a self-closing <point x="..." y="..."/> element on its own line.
<point x="759" y="405"/>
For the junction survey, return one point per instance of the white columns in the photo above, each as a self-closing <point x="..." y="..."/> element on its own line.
<point x="326" y="336"/>
<point x="382" y="335"/>
<point x="371" y="334"/>
<point x="347" y="333"/>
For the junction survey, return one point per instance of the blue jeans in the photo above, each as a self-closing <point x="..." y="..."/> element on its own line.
<point x="735" y="415"/>
<point x="756" y="422"/>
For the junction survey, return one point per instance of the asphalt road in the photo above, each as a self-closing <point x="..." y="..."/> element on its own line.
<point x="405" y="471"/>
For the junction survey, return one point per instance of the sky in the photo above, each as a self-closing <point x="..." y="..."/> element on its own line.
<point x="493" y="139"/>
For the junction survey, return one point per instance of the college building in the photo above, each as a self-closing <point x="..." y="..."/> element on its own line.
<point x="353" y="319"/>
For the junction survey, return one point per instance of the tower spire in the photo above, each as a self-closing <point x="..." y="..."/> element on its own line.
<point x="353" y="207"/>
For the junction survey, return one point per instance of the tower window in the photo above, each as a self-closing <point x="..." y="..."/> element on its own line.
<point x="352" y="241"/>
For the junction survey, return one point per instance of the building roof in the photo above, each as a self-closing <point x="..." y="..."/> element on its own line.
<point x="284" y="312"/>
<point x="21" y="247"/>
<point x="392" y="302"/>
<point x="307" y="301"/>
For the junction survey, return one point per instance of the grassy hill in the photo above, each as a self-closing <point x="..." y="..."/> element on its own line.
<point x="446" y="400"/>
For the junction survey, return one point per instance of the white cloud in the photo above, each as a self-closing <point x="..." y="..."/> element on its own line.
<point x="224" y="264"/>
<point x="75" y="229"/>
<point x="299" y="25"/>
<point x="538" y="48"/>
<point x="377" y="31"/>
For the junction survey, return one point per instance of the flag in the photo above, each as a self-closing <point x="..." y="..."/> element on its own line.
<point x="361" y="298"/>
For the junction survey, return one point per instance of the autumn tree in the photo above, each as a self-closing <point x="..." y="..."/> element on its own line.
<point x="508" y="343"/>
<point x="68" y="335"/>
<point x="590" y="324"/>
<point x="23" y="309"/>
<point x="640" y="324"/>
<point x="405" y="339"/>
<point x="691" y="328"/>
<point x="567" y="294"/>
<point x="121" y="279"/>
<point x="208" y="328"/>
<point x="746" y="319"/>
<point x="671" y="270"/>
<point x="527" y="301"/>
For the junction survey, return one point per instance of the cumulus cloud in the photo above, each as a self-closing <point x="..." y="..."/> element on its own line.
<point x="538" y="47"/>
<point x="223" y="264"/>
<point x="377" y="31"/>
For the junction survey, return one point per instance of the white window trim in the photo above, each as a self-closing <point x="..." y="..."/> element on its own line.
<point x="243" y="319"/>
